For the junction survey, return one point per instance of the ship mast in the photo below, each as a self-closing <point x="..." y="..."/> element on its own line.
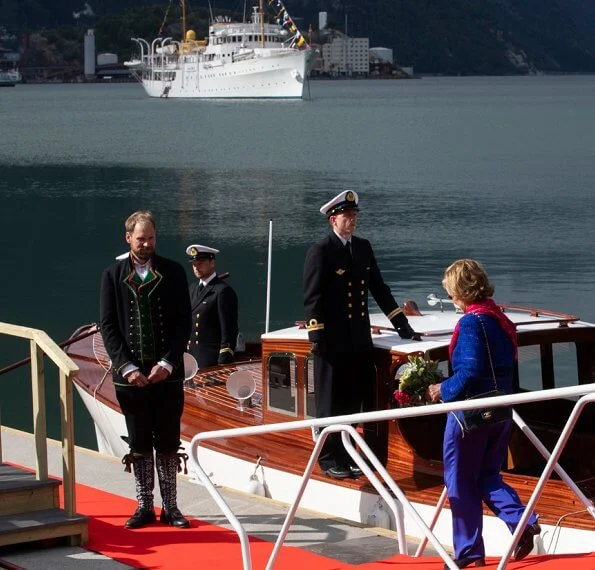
<point x="261" y="8"/>
<point x="183" y="4"/>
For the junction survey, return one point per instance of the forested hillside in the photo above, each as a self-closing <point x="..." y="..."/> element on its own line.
<point x="434" y="36"/>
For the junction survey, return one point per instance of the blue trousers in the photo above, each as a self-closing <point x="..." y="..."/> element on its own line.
<point x="472" y="464"/>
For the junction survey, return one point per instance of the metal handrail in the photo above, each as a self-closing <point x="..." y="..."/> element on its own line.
<point x="572" y="419"/>
<point x="41" y="344"/>
<point x="343" y="423"/>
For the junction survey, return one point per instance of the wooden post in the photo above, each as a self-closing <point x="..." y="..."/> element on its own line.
<point x="67" y="421"/>
<point x="39" y="411"/>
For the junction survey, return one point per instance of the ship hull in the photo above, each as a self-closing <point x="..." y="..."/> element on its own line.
<point x="282" y="374"/>
<point x="355" y="504"/>
<point x="276" y="76"/>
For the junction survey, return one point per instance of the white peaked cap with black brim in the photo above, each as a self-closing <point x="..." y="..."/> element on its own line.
<point x="346" y="200"/>
<point x="198" y="252"/>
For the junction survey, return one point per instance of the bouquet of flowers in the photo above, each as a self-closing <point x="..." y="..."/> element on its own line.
<point x="414" y="379"/>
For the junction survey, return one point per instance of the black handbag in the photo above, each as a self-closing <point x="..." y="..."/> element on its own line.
<point x="478" y="417"/>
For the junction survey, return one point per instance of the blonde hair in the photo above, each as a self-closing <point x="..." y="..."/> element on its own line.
<point x="467" y="280"/>
<point x="140" y="217"/>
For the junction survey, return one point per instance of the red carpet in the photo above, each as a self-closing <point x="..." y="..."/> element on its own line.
<point x="560" y="562"/>
<point x="158" y="546"/>
<point x="214" y="548"/>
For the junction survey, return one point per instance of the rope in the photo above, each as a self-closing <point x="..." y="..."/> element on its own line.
<point x="164" y="19"/>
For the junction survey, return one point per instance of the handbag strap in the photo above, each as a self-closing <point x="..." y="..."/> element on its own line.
<point x="485" y="334"/>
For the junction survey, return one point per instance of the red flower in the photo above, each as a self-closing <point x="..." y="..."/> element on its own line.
<point x="402" y="398"/>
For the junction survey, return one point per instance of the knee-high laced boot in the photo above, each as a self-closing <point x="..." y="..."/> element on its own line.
<point x="167" y="469"/>
<point x="144" y="475"/>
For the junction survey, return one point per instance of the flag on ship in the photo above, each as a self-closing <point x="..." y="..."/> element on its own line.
<point x="284" y="19"/>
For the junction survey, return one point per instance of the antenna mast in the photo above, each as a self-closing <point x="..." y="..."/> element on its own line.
<point x="261" y="8"/>
<point x="183" y="3"/>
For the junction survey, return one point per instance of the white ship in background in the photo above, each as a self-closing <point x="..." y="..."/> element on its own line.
<point x="253" y="59"/>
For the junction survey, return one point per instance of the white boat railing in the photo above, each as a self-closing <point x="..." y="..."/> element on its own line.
<point x="343" y="424"/>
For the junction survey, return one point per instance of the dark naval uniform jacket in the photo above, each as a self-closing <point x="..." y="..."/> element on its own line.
<point x="336" y="286"/>
<point x="145" y="322"/>
<point x="214" y="322"/>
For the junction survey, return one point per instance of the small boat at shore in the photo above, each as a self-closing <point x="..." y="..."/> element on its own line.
<point x="255" y="59"/>
<point x="555" y="351"/>
<point x="10" y="77"/>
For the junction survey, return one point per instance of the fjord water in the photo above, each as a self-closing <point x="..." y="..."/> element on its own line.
<point x="500" y="169"/>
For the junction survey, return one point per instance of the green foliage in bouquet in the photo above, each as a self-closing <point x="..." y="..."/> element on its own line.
<point x="414" y="379"/>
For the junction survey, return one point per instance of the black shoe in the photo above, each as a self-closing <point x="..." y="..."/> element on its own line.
<point x="467" y="561"/>
<point x="526" y="542"/>
<point x="174" y="518"/>
<point x="355" y="471"/>
<point x="141" y="518"/>
<point x="337" y="472"/>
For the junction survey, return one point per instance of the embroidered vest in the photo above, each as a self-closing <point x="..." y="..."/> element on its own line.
<point x="141" y="291"/>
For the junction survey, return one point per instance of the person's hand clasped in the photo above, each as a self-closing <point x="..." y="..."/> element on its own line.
<point x="433" y="393"/>
<point x="158" y="374"/>
<point x="138" y="379"/>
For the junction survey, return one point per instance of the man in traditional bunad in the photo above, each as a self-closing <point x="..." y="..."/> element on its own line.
<point x="214" y="311"/>
<point x="338" y="273"/>
<point x="145" y="325"/>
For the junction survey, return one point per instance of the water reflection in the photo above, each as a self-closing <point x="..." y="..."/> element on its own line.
<point x="497" y="169"/>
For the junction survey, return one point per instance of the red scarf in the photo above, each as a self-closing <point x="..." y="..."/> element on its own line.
<point x="487" y="307"/>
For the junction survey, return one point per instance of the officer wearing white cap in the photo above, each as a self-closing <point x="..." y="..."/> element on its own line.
<point x="339" y="271"/>
<point x="214" y="311"/>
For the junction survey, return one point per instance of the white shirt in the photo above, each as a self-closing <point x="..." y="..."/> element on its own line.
<point x="343" y="240"/>
<point x="142" y="270"/>
<point x="206" y="281"/>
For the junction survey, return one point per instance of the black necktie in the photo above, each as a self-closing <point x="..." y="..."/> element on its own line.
<point x="201" y="287"/>
<point x="348" y="248"/>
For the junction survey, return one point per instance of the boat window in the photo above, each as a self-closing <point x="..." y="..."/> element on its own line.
<point x="443" y="368"/>
<point x="281" y="381"/>
<point x="565" y="365"/>
<point x="529" y="368"/>
<point x="309" y="403"/>
<point x="547" y="366"/>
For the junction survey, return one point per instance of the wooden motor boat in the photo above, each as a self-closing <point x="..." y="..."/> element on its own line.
<point x="555" y="350"/>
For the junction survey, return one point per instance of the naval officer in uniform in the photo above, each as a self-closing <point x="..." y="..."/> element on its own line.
<point x="214" y="311"/>
<point x="339" y="271"/>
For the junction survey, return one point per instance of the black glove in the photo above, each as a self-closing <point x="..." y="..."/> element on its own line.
<point x="403" y="327"/>
<point x="226" y="357"/>
<point x="319" y="348"/>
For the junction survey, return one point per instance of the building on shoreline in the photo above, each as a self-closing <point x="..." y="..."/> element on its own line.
<point x="346" y="57"/>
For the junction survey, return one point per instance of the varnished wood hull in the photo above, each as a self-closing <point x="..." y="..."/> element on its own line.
<point x="411" y="449"/>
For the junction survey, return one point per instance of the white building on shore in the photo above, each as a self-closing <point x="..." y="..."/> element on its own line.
<point x="346" y="56"/>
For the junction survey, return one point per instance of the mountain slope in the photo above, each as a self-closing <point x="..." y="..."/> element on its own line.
<point x="434" y="36"/>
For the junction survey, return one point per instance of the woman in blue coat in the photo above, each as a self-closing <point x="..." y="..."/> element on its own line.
<point x="483" y="353"/>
